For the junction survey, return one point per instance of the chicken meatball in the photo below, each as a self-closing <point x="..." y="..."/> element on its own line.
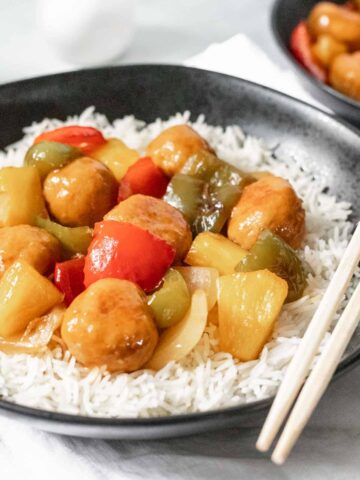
<point x="110" y="324"/>
<point x="270" y="203"/>
<point x="156" y="216"/>
<point x="345" y="74"/>
<point x="341" y="23"/>
<point x="31" y="244"/>
<point x="80" y="193"/>
<point x="174" y="146"/>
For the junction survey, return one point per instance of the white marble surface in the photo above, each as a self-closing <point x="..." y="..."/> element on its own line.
<point x="171" y="31"/>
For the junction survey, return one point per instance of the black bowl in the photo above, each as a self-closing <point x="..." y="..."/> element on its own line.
<point x="286" y="14"/>
<point x="323" y="145"/>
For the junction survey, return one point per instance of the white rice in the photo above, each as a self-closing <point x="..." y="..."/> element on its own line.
<point x="204" y="379"/>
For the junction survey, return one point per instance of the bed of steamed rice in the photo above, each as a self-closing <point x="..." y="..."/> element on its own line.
<point x="205" y="379"/>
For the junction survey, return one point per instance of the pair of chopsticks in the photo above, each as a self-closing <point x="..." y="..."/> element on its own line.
<point x="299" y="367"/>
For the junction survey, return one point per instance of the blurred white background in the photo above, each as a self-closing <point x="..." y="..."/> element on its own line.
<point x="167" y="31"/>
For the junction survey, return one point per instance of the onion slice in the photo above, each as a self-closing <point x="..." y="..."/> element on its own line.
<point x="37" y="334"/>
<point x="201" y="278"/>
<point x="178" y="340"/>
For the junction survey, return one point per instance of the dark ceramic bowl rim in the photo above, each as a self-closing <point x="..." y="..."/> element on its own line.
<point x="57" y="418"/>
<point x="285" y="49"/>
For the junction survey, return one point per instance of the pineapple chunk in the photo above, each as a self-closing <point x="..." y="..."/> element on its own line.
<point x="24" y="295"/>
<point x="214" y="250"/>
<point x="116" y="156"/>
<point x="21" y="198"/>
<point x="248" y="303"/>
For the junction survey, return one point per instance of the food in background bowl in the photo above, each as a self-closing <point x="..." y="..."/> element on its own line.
<point x="327" y="44"/>
<point x="203" y="269"/>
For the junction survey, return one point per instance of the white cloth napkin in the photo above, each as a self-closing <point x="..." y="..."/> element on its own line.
<point x="26" y="453"/>
<point x="241" y="57"/>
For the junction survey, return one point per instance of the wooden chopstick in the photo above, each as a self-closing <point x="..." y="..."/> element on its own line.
<point x="319" y="378"/>
<point x="301" y="362"/>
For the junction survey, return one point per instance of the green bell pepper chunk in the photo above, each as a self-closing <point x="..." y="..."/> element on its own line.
<point x="171" y="301"/>
<point x="217" y="173"/>
<point x="205" y="191"/>
<point x="202" y="165"/>
<point x="47" y="156"/>
<point x="271" y="252"/>
<point x="73" y="240"/>
<point x="216" y="209"/>
<point x="186" y="194"/>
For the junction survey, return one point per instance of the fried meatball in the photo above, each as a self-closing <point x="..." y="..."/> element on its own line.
<point x="337" y="21"/>
<point x="270" y="203"/>
<point x="32" y="244"/>
<point x="327" y="48"/>
<point x="174" y="146"/>
<point x="80" y="193"/>
<point x="156" y="216"/>
<point x="110" y="324"/>
<point x="345" y="74"/>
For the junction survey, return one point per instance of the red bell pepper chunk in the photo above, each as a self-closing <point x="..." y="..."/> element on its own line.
<point x="69" y="278"/>
<point x="85" y="139"/>
<point x="125" y="251"/>
<point x="300" y="45"/>
<point x="143" y="177"/>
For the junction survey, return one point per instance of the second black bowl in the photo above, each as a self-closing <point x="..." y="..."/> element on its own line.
<point x="286" y="14"/>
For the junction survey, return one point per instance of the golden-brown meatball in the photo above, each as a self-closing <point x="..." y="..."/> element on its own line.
<point x="345" y="74"/>
<point x="337" y="21"/>
<point x="327" y="48"/>
<point x="110" y="324"/>
<point x="32" y="244"/>
<point x="174" y="146"/>
<point x="156" y="216"/>
<point x="81" y="193"/>
<point x="269" y="203"/>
